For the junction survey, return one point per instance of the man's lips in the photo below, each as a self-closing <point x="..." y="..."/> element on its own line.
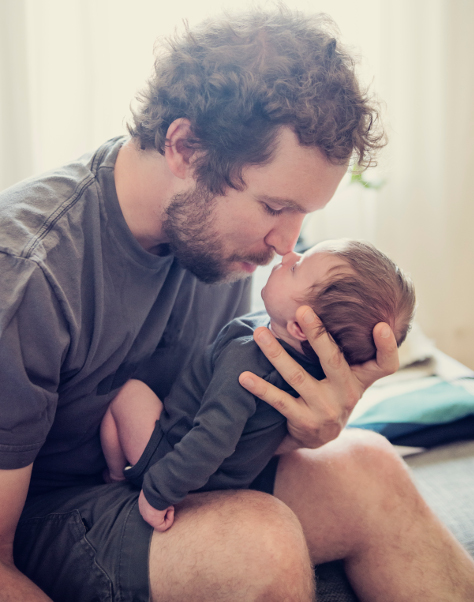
<point x="248" y="267"/>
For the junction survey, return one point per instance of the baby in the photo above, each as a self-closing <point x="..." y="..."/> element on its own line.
<point x="210" y="433"/>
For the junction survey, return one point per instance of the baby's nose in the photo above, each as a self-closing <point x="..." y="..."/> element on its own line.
<point x="291" y="256"/>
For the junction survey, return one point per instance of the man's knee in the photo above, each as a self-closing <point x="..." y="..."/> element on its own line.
<point x="279" y="550"/>
<point x="356" y="454"/>
<point x="351" y="473"/>
<point x="361" y="445"/>
<point x="268" y="546"/>
<point x="234" y="546"/>
<point x="343" y="490"/>
<point x="371" y="457"/>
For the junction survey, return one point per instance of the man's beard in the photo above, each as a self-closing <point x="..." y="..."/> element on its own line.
<point x="189" y="226"/>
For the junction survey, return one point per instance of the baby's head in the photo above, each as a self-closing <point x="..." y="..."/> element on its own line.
<point x="351" y="285"/>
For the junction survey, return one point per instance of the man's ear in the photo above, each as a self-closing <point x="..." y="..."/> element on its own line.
<point x="178" y="153"/>
<point x="295" y="331"/>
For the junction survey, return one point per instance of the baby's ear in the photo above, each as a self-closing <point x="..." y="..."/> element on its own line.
<point x="295" y="331"/>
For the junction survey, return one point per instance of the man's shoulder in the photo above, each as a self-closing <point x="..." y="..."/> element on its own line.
<point x="31" y="209"/>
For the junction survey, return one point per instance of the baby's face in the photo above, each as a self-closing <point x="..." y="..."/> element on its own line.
<point x="290" y="280"/>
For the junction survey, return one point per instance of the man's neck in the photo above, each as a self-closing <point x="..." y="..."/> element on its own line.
<point x="143" y="187"/>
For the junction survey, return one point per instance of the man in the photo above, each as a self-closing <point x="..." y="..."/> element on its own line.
<point x="122" y="265"/>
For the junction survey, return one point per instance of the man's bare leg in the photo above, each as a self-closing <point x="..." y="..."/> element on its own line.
<point x="356" y="500"/>
<point x="231" y="546"/>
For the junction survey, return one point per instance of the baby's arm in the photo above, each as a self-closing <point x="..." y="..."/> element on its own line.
<point x="197" y="456"/>
<point x="161" y="520"/>
<point x="127" y="426"/>
<point x="217" y="428"/>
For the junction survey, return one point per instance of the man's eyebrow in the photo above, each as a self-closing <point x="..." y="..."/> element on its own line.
<point x="283" y="202"/>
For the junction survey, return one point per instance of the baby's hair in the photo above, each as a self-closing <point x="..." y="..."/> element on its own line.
<point x="352" y="301"/>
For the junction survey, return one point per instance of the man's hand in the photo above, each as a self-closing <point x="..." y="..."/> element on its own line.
<point x="324" y="407"/>
<point x="160" y="520"/>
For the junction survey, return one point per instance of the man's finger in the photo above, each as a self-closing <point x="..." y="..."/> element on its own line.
<point x="332" y="360"/>
<point x="282" y="402"/>
<point x="290" y="370"/>
<point x="387" y="350"/>
<point x="386" y="362"/>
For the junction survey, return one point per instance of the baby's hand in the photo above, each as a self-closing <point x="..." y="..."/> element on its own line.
<point x="161" y="520"/>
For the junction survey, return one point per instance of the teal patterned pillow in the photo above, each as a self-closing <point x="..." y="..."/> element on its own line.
<point x="422" y="412"/>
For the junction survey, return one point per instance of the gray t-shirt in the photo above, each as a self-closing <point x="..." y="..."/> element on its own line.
<point x="83" y="308"/>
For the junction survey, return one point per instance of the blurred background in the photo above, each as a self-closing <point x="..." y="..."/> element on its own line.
<point x="70" y="68"/>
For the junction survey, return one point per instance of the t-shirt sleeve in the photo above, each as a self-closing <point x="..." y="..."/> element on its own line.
<point x="218" y="425"/>
<point x="33" y="341"/>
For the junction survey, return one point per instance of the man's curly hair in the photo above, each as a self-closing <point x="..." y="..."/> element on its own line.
<point x="239" y="80"/>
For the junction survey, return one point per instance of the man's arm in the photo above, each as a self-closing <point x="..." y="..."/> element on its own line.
<point x="324" y="407"/>
<point x="13" y="489"/>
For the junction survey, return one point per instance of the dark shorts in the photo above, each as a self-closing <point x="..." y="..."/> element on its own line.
<point x="91" y="544"/>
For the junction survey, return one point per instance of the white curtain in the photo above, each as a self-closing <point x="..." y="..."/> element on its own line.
<point x="69" y="69"/>
<point x="423" y="216"/>
<point x="426" y="213"/>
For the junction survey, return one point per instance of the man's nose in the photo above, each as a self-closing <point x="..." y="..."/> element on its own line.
<point x="284" y="235"/>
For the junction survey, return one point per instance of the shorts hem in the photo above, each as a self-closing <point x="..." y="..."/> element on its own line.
<point x="133" y="571"/>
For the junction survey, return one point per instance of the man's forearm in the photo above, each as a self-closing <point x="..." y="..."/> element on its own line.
<point x="15" y="586"/>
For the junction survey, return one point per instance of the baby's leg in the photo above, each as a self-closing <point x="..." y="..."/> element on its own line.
<point x="128" y="425"/>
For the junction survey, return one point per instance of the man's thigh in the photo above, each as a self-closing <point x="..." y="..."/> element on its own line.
<point x="239" y="546"/>
<point x="86" y="544"/>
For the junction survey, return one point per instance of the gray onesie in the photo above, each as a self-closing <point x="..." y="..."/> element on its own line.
<point x="213" y="433"/>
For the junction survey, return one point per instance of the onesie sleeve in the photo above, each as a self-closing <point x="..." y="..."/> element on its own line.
<point x="225" y="408"/>
<point x="33" y="341"/>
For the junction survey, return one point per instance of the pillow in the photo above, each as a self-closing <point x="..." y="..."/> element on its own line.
<point x="423" y="412"/>
<point x="428" y="402"/>
<point x="417" y="347"/>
